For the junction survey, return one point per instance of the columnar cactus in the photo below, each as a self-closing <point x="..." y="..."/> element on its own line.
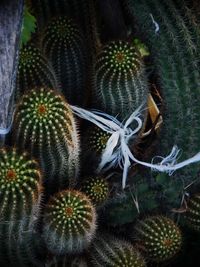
<point x="193" y="212"/>
<point x="159" y="237"/>
<point x="111" y="252"/>
<point x="20" y="198"/>
<point x="64" y="46"/>
<point x="172" y="35"/>
<point x="33" y="70"/>
<point x="120" y="80"/>
<point x="97" y="189"/>
<point x="69" y="222"/>
<point x="45" y="125"/>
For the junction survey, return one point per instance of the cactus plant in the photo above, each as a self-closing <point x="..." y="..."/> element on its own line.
<point x="66" y="261"/>
<point x="107" y="251"/>
<point x="33" y="70"/>
<point x="97" y="189"/>
<point x="193" y="212"/>
<point x="20" y="199"/>
<point x="120" y="80"/>
<point x="69" y="222"/>
<point x="97" y="139"/>
<point x="172" y="37"/>
<point x="64" y="46"/>
<point x="159" y="237"/>
<point x="45" y="125"/>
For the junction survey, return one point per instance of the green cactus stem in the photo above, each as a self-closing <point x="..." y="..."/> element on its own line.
<point x="63" y="44"/>
<point x="193" y="212"/>
<point x="120" y="80"/>
<point x="44" y="124"/>
<point x="69" y="222"/>
<point x="159" y="237"/>
<point x="33" y="71"/>
<point x="111" y="252"/>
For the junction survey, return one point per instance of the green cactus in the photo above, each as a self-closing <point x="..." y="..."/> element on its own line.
<point x="44" y="124"/>
<point x="69" y="222"/>
<point x="63" y="44"/>
<point x="97" y="189"/>
<point x="159" y="237"/>
<point x="120" y="81"/>
<point x="66" y="261"/>
<point x="107" y="251"/>
<point x="172" y="37"/>
<point x="97" y="139"/>
<point x="33" y="71"/>
<point x="20" y="199"/>
<point x="193" y="212"/>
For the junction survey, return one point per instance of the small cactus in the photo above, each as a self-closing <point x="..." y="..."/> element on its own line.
<point x="33" y="70"/>
<point x="159" y="237"/>
<point x="111" y="252"/>
<point x="96" y="189"/>
<point x="97" y="139"/>
<point x="64" y="46"/>
<point x="193" y="212"/>
<point x="69" y="222"/>
<point x="45" y="125"/>
<point x="120" y="81"/>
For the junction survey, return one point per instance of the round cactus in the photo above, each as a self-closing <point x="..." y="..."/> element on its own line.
<point x="20" y="185"/>
<point x="45" y="125"/>
<point x="97" y="139"/>
<point x="64" y="46"/>
<point x="96" y="189"/>
<point x="33" y="70"/>
<point x="120" y="81"/>
<point x="160" y="238"/>
<point x="110" y="252"/>
<point x="69" y="222"/>
<point x="193" y="212"/>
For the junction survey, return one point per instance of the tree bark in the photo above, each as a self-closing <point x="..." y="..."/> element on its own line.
<point x="11" y="15"/>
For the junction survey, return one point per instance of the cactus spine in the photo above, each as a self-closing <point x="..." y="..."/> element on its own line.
<point x="120" y="81"/>
<point x="159" y="237"/>
<point x="193" y="212"/>
<point x="174" y="48"/>
<point x="66" y="261"/>
<point x="20" y="197"/>
<point x="97" y="139"/>
<point x="111" y="252"/>
<point x="69" y="222"/>
<point x="45" y="125"/>
<point x="33" y="70"/>
<point x="64" y="46"/>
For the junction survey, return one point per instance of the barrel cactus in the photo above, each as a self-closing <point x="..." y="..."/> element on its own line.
<point x="97" y="139"/>
<point x="33" y="70"/>
<point x="159" y="237"/>
<point x="107" y="251"/>
<point x="44" y="124"/>
<point x="69" y="222"/>
<point x="120" y="80"/>
<point x="193" y="212"/>
<point x="64" y="46"/>
<point x="97" y="189"/>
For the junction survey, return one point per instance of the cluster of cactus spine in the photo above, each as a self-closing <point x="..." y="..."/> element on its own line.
<point x="44" y="124"/>
<point x="193" y="212"/>
<point x="120" y="80"/>
<point x="159" y="237"/>
<point x="64" y="46"/>
<point x="97" y="189"/>
<point x="33" y="70"/>
<point x="107" y="251"/>
<point x="21" y="189"/>
<point x="97" y="139"/>
<point x="69" y="222"/>
<point x="174" y="46"/>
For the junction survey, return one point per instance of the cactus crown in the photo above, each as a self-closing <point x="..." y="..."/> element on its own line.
<point x="120" y="56"/>
<point x="43" y="111"/>
<point x="70" y="212"/>
<point x="96" y="189"/>
<point x="98" y="139"/>
<point x="160" y="237"/>
<point x="62" y="28"/>
<point x="19" y="179"/>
